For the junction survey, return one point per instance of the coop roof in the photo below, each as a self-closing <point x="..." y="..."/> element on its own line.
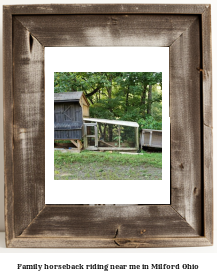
<point x="114" y="122"/>
<point x="69" y="97"/>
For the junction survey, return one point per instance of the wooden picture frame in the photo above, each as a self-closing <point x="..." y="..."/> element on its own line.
<point x="186" y="30"/>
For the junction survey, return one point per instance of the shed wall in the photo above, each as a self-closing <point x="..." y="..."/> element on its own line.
<point x="67" y="112"/>
<point x="69" y="118"/>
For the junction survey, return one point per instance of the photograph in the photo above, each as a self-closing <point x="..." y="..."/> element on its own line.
<point x="108" y="125"/>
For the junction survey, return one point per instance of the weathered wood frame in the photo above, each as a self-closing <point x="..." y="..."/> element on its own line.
<point x="188" y="220"/>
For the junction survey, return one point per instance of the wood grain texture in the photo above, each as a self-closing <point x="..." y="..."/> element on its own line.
<point x="108" y="243"/>
<point x="109" y="222"/>
<point x="186" y="30"/>
<point x="208" y="182"/>
<point x="107" y="30"/>
<point x="185" y="116"/>
<point x="29" y="140"/>
<point x="106" y="9"/>
<point x="207" y="122"/>
<point x="207" y="67"/>
<point x="8" y="125"/>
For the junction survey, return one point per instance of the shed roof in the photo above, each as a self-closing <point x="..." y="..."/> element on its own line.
<point x="69" y="97"/>
<point x="114" y="122"/>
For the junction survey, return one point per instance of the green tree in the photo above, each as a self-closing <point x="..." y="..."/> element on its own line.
<point x="130" y="96"/>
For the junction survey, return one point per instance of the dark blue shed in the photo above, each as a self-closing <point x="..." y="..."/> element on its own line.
<point x="69" y="109"/>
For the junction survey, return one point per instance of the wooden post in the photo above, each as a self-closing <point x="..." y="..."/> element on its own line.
<point x="150" y="138"/>
<point x="79" y="145"/>
<point x="119" y="136"/>
<point x="96" y="135"/>
<point x="85" y="136"/>
<point x="142" y="138"/>
<point x="73" y="142"/>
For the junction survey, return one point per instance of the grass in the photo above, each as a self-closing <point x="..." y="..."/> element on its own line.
<point x="86" y="157"/>
<point x="90" y="165"/>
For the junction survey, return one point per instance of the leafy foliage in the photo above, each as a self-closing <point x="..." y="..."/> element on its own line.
<point x="118" y="95"/>
<point x="149" y="123"/>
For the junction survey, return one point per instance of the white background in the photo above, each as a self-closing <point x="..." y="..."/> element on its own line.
<point x="106" y="59"/>
<point x="204" y="256"/>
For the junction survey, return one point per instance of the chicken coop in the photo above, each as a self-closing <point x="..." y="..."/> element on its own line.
<point x="103" y="134"/>
<point x="69" y="110"/>
<point x="151" y="138"/>
<point x="72" y="122"/>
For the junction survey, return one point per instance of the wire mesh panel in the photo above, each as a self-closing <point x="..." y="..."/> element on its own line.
<point x="91" y="130"/>
<point x="91" y="141"/>
<point x="116" y="136"/>
<point x="128" y="137"/>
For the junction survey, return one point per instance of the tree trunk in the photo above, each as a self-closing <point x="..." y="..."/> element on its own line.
<point x="143" y="97"/>
<point x="149" y="100"/>
<point x="93" y="92"/>
<point x="100" y="131"/>
<point x="109" y="90"/>
<point x="104" y="132"/>
<point x="91" y="100"/>
<point x="127" y="99"/>
<point x="110" y="133"/>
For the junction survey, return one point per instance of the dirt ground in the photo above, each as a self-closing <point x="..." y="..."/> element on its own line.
<point x="105" y="172"/>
